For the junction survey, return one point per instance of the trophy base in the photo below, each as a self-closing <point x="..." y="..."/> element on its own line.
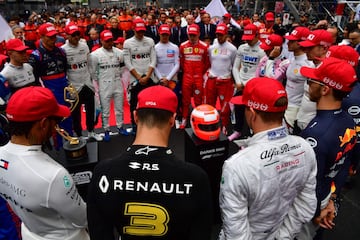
<point x="75" y="151"/>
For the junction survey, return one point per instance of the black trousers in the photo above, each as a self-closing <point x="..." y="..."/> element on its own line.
<point x="134" y="91"/>
<point x="86" y="97"/>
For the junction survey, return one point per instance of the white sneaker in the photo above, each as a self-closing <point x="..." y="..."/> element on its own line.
<point x="96" y="136"/>
<point x="183" y="123"/>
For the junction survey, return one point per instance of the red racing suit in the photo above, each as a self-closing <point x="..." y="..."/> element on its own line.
<point x="194" y="62"/>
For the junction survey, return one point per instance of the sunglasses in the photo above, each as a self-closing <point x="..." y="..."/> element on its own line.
<point x="310" y="80"/>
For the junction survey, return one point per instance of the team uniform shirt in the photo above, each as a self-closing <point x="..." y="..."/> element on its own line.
<point x="18" y="76"/>
<point x="167" y="60"/>
<point x="147" y="193"/>
<point x="267" y="189"/>
<point x="139" y="55"/>
<point x="307" y="110"/>
<point x="105" y="68"/>
<point x="272" y="68"/>
<point x="42" y="193"/>
<point x="247" y="59"/>
<point x="332" y="135"/>
<point x="295" y="86"/>
<point x="222" y="57"/>
<point x="295" y="81"/>
<point x="77" y="65"/>
<point x="194" y="61"/>
<point x="351" y="105"/>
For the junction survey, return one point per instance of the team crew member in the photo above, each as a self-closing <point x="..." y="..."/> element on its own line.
<point x="140" y="59"/>
<point x="194" y="62"/>
<point x="46" y="198"/>
<point x="167" y="59"/>
<point x="273" y="65"/>
<point x="295" y="81"/>
<point x="329" y="83"/>
<point x="49" y="63"/>
<point x="18" y="73"/>
<point x="268" y="188"/>
<point x="77" y="54"/>
<point x="105" y="68"/>
<point x="219" y="81"/>
<point x="147" y="193"/>
<point x="247" y="59"/>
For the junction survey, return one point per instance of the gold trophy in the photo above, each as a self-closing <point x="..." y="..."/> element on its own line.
<point x="75" y="148"/>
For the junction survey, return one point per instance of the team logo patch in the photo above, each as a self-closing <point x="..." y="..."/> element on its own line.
<point x="145" y="150"/>
<point x="170" y="53"/>
<point x="196" y="50"/>
<point x="188" y="50"/>
<point x="4" y="164"/>
<point x="67" y="182"/>
<point x="312" y="141"/>
<point x="104" y="184"/>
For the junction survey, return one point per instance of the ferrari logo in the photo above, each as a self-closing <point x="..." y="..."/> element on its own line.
<point x="196" y="50"/>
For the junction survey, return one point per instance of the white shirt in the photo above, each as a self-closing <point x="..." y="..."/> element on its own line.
<point x="139" y="55"/>
<point x="222" y="57"/>
<point x="77" y="70"/>
<point x="41" y="192"/>
<point x="247" y="59"/>
<point x="167" y="60"/>
<point x="18" y="76"/>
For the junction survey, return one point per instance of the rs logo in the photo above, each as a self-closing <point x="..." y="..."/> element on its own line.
<point x="146" y="219"/>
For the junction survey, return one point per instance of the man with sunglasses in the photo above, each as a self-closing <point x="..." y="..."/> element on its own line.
<point x="332" y="135"/>
<point x="39" y="190"/>
<point x="77" y="54"/>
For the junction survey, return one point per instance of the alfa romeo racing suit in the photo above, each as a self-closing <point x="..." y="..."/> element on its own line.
<point x="267" y="190"/>
<point x="194" y="61"/>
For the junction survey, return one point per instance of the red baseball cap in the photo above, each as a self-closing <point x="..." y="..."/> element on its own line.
<point x="221" y="28"/>
<point x="158" y="97"/>
<point x="193" y="29"/>
<point x="269" y="16"/>
<point x="139" y="24"/>
<point x="71" y="28"/>
<point x="261" y="93"/>
<point x="119" y="40"/>
<point x="250" y="32"/>
<point x="344" y="52"/>
<point x="34" y="103"/>
<point x="272" y="41"/>
<point x="333" y="72"/>
<point x="318" y="37"/>
<point x="227" y="15"/>
<point x="47" y="29"/>
<point x="106" y="35"/>
<point x="299" y="33"/>
<point x="15" y="45"/>
<point x="164" y="29"/>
